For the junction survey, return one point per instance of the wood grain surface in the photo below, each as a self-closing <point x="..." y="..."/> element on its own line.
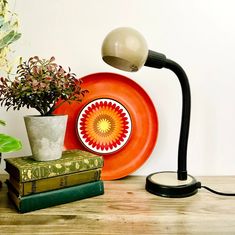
<point x="126" y="208"/>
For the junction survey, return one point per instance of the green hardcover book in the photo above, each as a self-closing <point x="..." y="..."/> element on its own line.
<point x="57" y="182"/>
<point x="27" y="169"/>
<point x="55" y="197"/>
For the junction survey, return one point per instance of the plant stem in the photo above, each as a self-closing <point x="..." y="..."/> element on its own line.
<point x="54" y="107"/>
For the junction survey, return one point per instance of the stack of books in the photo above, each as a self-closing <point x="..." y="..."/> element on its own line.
<point x="34" y="185"/>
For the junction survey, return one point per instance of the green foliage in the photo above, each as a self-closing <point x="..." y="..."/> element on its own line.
<point x="40" y="84"/>
<point x="2" y="123"/>
<point x="8" y="34"/>
<point x="8" y="143"/>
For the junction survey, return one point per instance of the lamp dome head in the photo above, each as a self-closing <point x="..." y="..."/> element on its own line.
<point x="125" y="48"/>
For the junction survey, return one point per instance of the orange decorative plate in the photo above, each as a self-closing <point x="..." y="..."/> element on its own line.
<point x="116" y="119"/>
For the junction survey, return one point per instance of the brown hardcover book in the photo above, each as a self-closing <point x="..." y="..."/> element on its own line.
<point x="25" y="169"/>
<point x="58" y="182"/>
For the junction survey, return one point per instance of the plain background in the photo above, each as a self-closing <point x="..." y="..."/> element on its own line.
<point x="199" y="35"/>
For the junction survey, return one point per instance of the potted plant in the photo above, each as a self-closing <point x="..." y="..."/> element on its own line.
<point x="43" y="85"/>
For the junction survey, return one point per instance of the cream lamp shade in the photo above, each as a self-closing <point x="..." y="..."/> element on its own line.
<point x="125" y="48"/>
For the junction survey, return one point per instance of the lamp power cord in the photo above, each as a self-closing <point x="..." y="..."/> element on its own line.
<point x="214" y="191"/>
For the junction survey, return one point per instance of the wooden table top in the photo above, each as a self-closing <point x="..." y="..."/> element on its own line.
<point x="126" y="208"/>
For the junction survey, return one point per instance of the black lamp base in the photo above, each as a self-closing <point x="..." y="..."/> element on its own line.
<point x="166" y="184"/>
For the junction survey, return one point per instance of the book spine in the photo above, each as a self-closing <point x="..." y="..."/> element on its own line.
<point x="57" y="197"/>
<point x="43" y="185"/>
<point x="12" y="170"/>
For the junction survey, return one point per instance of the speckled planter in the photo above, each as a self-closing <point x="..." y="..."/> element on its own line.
<point x="46" y="136"/>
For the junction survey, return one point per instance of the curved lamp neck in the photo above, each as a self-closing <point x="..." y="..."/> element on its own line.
<point x="157" y="60"/>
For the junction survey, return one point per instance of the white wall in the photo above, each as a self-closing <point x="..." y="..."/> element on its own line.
<point x="199" y="35"/>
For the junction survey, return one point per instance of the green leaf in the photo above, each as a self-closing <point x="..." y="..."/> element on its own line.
<point x="1" y="21"/>
<point x="2" y="123"/>
<point x="9" y="38"/>
<point x="9" y="144"/>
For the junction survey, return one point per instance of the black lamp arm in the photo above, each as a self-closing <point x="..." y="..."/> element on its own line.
<point x="157" y="60"/>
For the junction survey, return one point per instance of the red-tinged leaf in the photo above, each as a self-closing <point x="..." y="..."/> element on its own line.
<point x="52" y="59"/>
<point x="39" y="83"/>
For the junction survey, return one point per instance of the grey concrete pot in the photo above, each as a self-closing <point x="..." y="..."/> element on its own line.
<point x="46" y="136"/>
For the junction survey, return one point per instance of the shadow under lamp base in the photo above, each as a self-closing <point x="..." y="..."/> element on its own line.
<point x="166" y="184"/>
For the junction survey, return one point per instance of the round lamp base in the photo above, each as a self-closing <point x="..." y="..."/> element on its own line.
<point x="166" y="184"/>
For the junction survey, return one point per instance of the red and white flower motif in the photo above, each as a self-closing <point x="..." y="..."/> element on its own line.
<point x="104" y="126"/>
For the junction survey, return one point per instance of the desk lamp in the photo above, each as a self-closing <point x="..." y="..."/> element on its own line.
<point x="126" y="49"/>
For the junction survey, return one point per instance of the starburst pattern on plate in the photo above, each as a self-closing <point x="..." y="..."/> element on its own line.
<point x="104" y="126"/>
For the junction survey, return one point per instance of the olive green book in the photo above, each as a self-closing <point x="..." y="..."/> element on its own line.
<point x="55" y="197"/>
<point x="52" y="183"/>
<point x="25" y="169"/>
